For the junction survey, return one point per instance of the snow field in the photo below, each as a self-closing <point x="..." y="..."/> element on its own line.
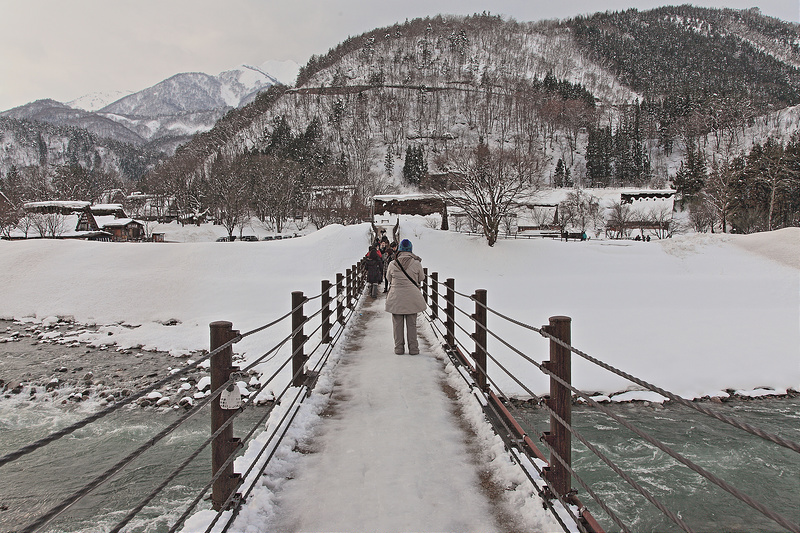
<point x="697" y="314"/>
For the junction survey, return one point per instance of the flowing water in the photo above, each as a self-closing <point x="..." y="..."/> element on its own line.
<point x="32" y="485"/>
<point x="771" y="474"/>
<point x="768" y="473"/>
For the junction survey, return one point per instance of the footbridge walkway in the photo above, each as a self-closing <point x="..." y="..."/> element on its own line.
<point x="359" y="438"/>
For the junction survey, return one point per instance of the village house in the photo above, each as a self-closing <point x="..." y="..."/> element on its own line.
<point x="78" y="220"/>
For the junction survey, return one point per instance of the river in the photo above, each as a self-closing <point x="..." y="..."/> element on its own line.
<point x="765" y="471"/>
<point x="37" y="482"/>
<point x="769" y="473"/>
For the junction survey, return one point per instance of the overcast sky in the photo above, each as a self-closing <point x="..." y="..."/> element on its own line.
<point x="65" y="49"/>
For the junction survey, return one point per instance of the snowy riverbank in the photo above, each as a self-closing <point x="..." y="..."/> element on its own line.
<point x="699" y="315"/>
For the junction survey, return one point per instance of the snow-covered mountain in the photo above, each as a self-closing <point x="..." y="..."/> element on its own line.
<point x="97" y="101"/>
<point x="125" y="132"/>
<point x="166" y="114"/>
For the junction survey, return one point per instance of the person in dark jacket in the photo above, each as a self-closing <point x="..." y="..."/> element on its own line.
<point x="405" y="300"/>
<point x="388" y="252"/>
<point x="374" y="267"/>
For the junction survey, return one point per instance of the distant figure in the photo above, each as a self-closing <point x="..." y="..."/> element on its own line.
<point x="374" y="268"/>
<point x="405" y="300"/>
<point x="388" y="252"/>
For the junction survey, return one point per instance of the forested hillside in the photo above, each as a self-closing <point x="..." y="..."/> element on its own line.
<point x="40" y="156"/>
<point x="676" y="95"/>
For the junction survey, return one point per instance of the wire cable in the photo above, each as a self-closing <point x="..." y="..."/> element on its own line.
<point x="105" y="476"/>
<point x="686" y="462"/>
<point x="777" y="439"/>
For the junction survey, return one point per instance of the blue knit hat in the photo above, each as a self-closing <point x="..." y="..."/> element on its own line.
<point x="405" y="246"/>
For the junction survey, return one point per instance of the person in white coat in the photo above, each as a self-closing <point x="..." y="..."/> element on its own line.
<point x="405" y="300"/>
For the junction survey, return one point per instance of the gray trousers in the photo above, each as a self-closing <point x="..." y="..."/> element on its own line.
<point x="409" y="323"/>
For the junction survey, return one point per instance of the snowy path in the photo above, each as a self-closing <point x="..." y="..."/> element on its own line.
<point x="390" y="454"/>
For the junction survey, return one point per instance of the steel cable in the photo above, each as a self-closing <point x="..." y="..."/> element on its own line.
<point x="291" y="408"/>
<point x="545" y="500"/>
<point x="194" y="503"/>
<point x="105" y="476"/>
<point x="286" y="428"/>
<point x="109" y="473"/>
<point x="602" y="504"/>
<point x="194" y="455"/>
<point x="231" y="458"/>
<point x="47" y="517"/>
<point x="617" y="470"/>
<point x="697" y="469"/>
<point x="614" y="467"/>
<point x="711" y="477"/>
<point x="143" y="503"/>
<point x="294" y="410"/>
<point x="128" y="400"/>
<point x="107" y="411"/>
<point x="777" y="439"/>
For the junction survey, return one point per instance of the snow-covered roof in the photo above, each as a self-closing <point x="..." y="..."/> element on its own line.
<point x="404" y="197"/>
<point x="61" y="204"/>
<point x="106" y="207"/>
<point x="118" y="223"/>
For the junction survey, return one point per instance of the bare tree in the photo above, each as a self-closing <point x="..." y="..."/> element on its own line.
<point x="487" y="185"/>
<point x="720" y="192"/>
<point x="579" y="210"/>
<point x="276" y="189"/>
<point x="775" y="174"/>
<point x="9" y="215"/>
<point x="661" y="220"/>
<point x="48" y="225"/>
<point x="702" y="217"/>
<point x="619" y="220"/>
<point x="228" y="194"/>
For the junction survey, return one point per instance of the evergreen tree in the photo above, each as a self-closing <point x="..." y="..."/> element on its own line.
<point x="599" y="156"/>
<point x="561" y="175"/>
<point x="388" y="162"/>
<point x="415" y="167"/>
<point x="691" y="175"/>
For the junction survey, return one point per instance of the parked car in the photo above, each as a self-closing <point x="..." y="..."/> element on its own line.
<point x="227" y="239"/>
<point x="249" y="238"/>
<point x="268" y="238"/>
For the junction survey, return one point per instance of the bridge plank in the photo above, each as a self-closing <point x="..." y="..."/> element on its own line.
<point x="390" y="455"/>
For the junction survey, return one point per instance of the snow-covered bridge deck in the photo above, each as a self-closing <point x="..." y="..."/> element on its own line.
<point x="394" y="450"/>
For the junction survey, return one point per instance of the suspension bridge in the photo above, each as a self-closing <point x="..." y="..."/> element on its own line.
<point x="395" y="448"/>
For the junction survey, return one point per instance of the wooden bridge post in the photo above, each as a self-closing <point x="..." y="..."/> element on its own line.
<point x="340" y="298"/>
<point x="450" y="312"/>
<point x="223" y="445"/>
<point x="326" y="311"/>
<point x="349" y="287"/>
<point x="560" y="403"/>
<point x="353" y="286"/>
<point x="480" y="337"/>
<point x="425" y="284"/>
<point x="434" y="295"/>
<point x="298" y="339"/>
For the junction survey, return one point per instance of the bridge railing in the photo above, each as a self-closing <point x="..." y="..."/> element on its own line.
<point x="469" y="352"/>
<point x="330" y="319"/>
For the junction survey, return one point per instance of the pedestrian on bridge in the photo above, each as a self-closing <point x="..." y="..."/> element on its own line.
<point x="405" y="300"/>
<point x="388" y="252"/>
<point x="374" y="267"/>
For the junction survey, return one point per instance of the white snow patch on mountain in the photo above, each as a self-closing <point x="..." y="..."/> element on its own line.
<point x="97" y="101"/>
